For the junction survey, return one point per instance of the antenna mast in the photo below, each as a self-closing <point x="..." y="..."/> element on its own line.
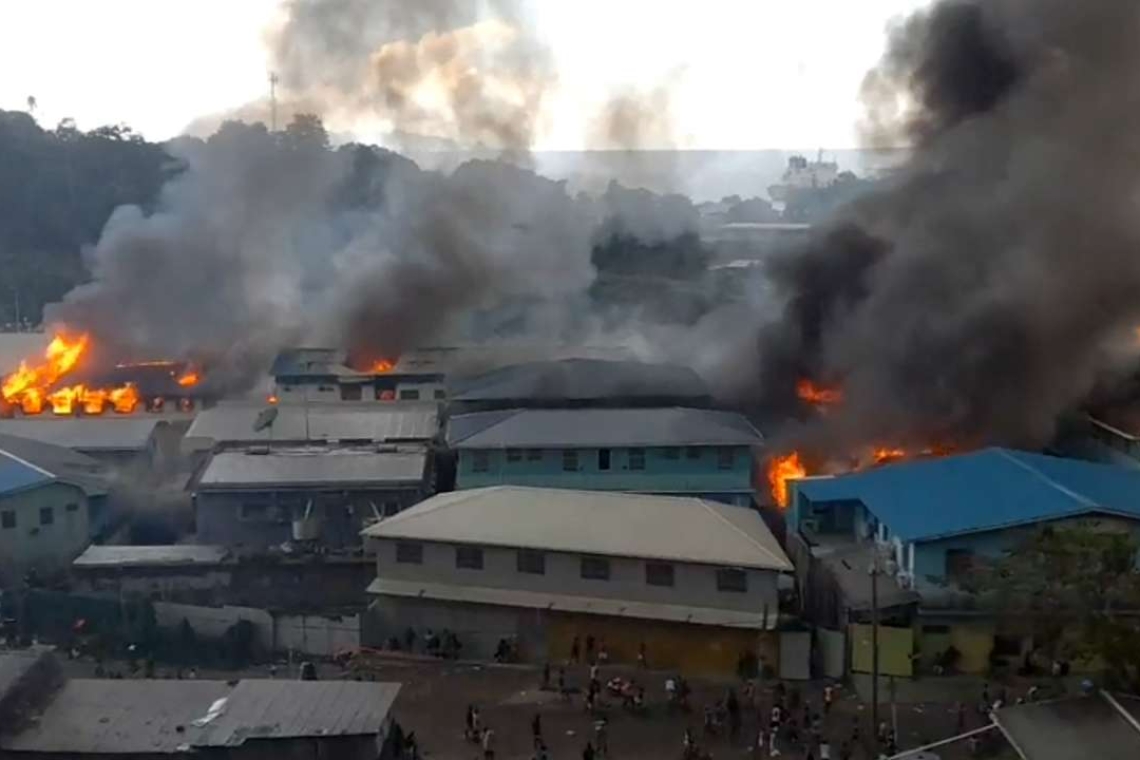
<point x="273" y="79"/>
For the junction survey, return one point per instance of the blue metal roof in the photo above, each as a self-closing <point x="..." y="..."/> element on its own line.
<point x="984" y="490"/>
<point x="16" y="474"/>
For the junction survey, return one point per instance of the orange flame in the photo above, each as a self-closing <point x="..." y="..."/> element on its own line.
<point x="781" y="469"/>
<point x="381" y="366"/>
<point x="272" y="398"/>
<point x="887" y="455"/>
<point x="31" y="386"/>
<point x="188" y="380"/>
<point x="818" y="395"/>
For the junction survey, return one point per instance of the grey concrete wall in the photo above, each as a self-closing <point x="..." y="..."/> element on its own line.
<point x="478" y="626"/>
<point x="693" y="584"/>
<point x="219" y="519"/>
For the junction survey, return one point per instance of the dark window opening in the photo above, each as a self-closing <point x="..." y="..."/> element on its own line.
<point x="514" y="455"/>
<point x="603" y="459"/>
<point x="440" y="394"/>
<point x="637" y="459"/>
<point x="725" y="458"/>
<point x="658" y="574"/>
<point x="409" y="553"/>
<point x="692" y="452"/>
<point x="570" y="460"/>
<point x="409" y="395"/>
<point x="731" y="579"/>
<point x="480" y="461"/>
<point x="7" y="519"/>
<point x="959" y="563"/>
<point x="469" y="557"/>
<point x="73" y="507"/>
<point x="531" y="562"/>
<point x="672" y="452"/>
<point x="350" y="393"/>
<point x="534" y="455"/>
<point x="595" y="568"/>
<point x="47" y="517"/>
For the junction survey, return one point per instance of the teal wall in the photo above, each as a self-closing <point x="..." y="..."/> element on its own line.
<point x="698" y="475"/>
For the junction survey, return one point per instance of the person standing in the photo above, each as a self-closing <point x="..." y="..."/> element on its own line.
<point x="488" y="744"/>
<point x="588" y="752"/>
<point x="545" y="675"/>
<point x="641" y="655"/>
<point x="469" y="731"/>
<point x="536" y="730"/>
<point x="602" y="736"/>
<point x="824" y="749"/>
<point x="828" y="696"/>
<point x="732" y="704"/>
<point x="575" y="651"/>
<point x="562" y="690"/>
<point x="589" y="647"/>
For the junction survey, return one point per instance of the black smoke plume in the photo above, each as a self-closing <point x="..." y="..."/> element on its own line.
<point x="986" y="286"/>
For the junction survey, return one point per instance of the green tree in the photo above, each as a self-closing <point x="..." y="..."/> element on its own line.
<point x="1076" y="590"/>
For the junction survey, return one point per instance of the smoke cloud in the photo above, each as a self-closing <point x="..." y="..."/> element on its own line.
<point x="986" y="286"/>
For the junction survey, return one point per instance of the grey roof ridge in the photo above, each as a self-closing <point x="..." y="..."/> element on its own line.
<point x="782" y="563"/>
<point x="1080" y="498"/>
<point x="26" y="463"/>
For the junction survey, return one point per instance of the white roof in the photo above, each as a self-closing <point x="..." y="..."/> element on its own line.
<point x="339" y="467"/>
<point x="232" y="422"/>
<point x="592" y="522"/>
<point x="145" y="556"/>
<point x="105" y="433"/>
<point x="542" y="600"/>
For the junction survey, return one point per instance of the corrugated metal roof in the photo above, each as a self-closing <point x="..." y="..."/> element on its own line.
<point x="568" y="603"/>
<point x="110" y="433"/>
<point x="270" y="709"/>
<point x="246" y="469"/>
<point x="134" y="556"/>
<point x="582" y="379"/>
<point x="592" y="522"/>
<point x="66" y="464"/>
<point x="230" y="423"/>
<point x="159" y="716"/>
<point x="1070" y="729"/>
<point x="17" y="474"/>
<point x="112" y="716"/>
<point x="309" y="361"/>
<point x="983" y="490"/>
<point x="537" y="428"/>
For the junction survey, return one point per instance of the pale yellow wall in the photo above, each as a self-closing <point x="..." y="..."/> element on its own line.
<point x="44" y="547"/>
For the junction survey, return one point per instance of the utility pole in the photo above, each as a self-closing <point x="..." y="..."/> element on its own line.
<point x="875" y="642"/>
<point x="273" y="79"/>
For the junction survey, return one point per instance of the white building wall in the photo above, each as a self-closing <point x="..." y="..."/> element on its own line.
<point x="694" y="585"/>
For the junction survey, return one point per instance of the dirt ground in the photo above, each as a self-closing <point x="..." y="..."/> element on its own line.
<point x="435" y="695"/>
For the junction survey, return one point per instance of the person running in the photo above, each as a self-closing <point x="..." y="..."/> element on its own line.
<point x="824" y="749"/>
<point x="761" y="742"/>
<point x="828" y="696"/>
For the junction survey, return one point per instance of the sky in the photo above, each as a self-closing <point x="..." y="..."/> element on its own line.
<point x="745" y="74"/>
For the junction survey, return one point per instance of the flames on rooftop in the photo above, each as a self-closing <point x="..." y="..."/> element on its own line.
<point x="66" y="380"/>
<point x="795" y="464"/>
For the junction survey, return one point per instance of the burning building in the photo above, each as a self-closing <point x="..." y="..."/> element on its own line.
<point x="326" y="374"/>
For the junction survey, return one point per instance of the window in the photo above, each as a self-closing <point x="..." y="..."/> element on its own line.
<point x="595" y="568"/>
<point x="658" y="574"/>
<point x="469" y="557"/>
<point x="480" y="461"/>
<point x="253" y="510"/>
<point x="46" y="516"/>
<point x="725" y="458"/>
<point x="350" y="393"/>
<point x="514" y="455"/>
<point x="385" y="394"/>
<point x="731" y="579"/>
<point x="603" y="459"/>
<point x="73" y="507"/>
<point x="439" y="394"/>
<point x="409" y="395"/>
<point x="7" y="519"/>
<point x="959" y="563"/>
<point x="534" y="455"/>
<point x="672" y="452"/>
<point x="409" y="553"/>
<point x="570" y="460"/>
<point x="637" y="459"/>
<point x="531" y="562"/>
<point x="692" y="452"/>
